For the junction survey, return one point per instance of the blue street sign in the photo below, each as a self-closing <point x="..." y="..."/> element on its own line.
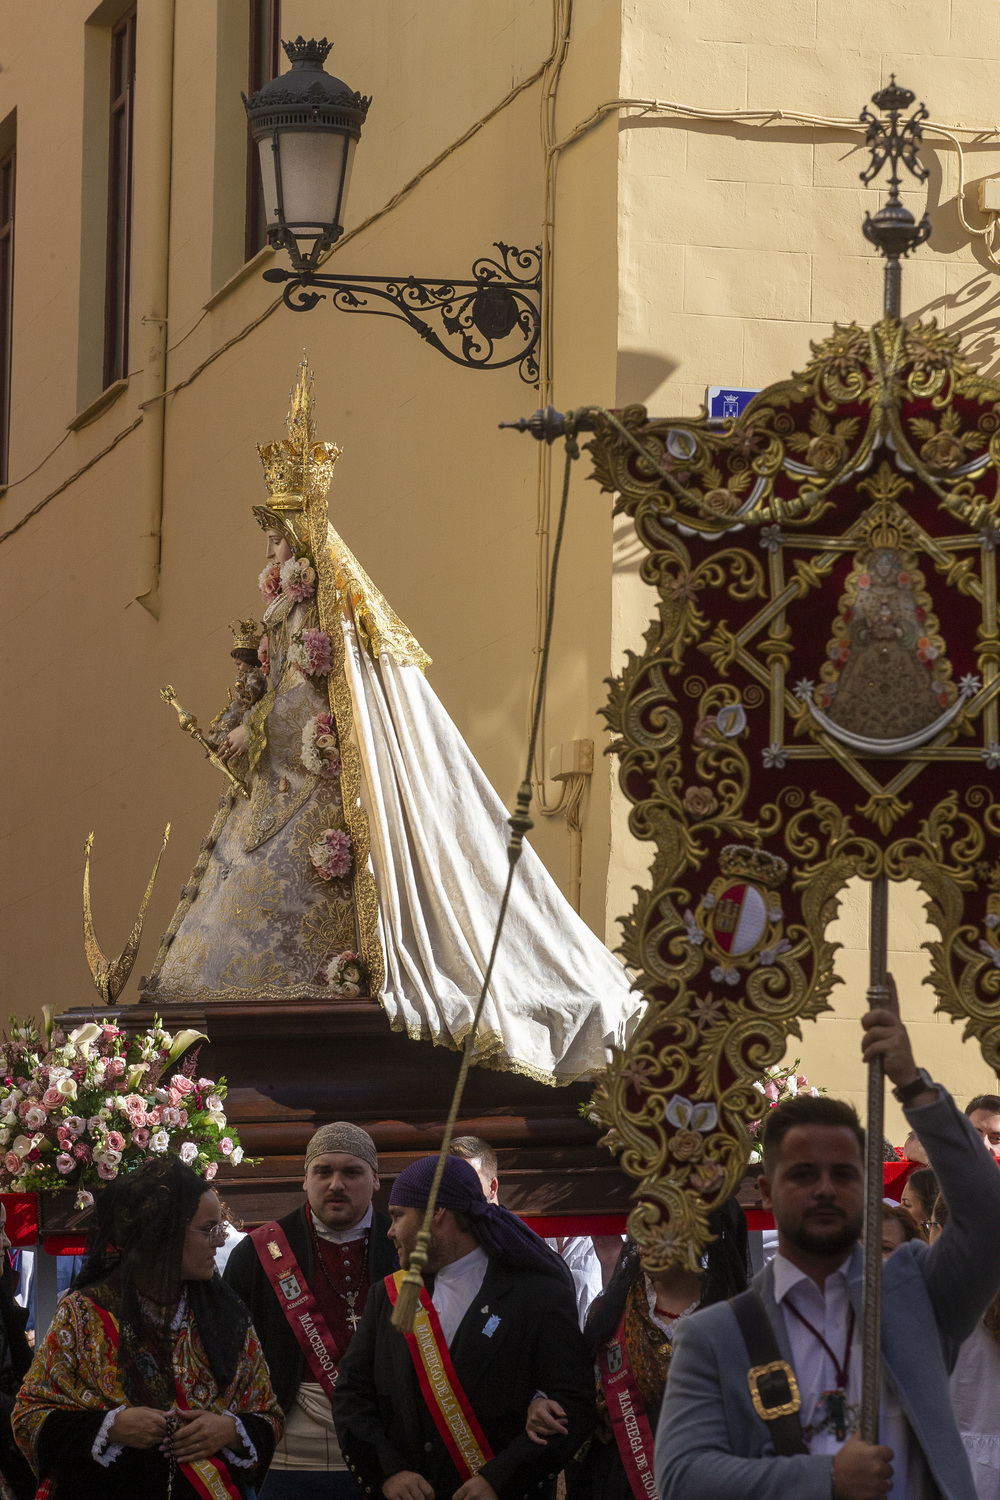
<point x="728" y="400"/>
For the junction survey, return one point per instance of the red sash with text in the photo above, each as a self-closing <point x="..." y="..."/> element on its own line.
<point x="298" y="1303"/>
<point x="446" y="1401"/>
<point x="627" y="1414"/>
<point x="210" y="1477"/>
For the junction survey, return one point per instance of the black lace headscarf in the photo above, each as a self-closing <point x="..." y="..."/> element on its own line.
<point x="132" y="1268"/>
<point x="727" y="1273"/>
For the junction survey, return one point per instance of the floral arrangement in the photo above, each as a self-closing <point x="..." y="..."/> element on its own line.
<point x="298" y="579"/>
<point x="269" y="582"/>
<point x="79" y="1109"/>
<point x="332" y="854"/>
<point x="319" y="753"/>
<point x="346" y="975"/>
<point x="782" y="1083"/>
<point x="311" y="654"/>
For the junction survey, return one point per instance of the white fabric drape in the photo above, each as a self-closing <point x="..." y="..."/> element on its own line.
<point x="558" y="998"/>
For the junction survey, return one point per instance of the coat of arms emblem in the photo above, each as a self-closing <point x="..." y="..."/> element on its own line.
<point x="615" y="1359"/>
<point x="289" y="1284"/>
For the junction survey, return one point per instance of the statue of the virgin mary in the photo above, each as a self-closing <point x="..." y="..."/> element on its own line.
<point x="370" y="856"/>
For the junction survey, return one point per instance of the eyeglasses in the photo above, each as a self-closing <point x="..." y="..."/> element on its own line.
<point x="215" y="1233"/>
<point x="933" y="1224"/>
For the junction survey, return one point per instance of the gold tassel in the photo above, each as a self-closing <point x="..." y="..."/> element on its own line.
<point x="408" y="1298"/>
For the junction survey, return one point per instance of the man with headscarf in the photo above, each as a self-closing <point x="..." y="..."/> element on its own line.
<point x="441" y="1412"/>
<point x="305" y="1279"/>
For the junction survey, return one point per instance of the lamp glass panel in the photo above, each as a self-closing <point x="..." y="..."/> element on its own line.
<point x="268" y="180"/>
<point x="311" y="168"/>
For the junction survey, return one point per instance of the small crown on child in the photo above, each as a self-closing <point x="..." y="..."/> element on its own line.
<point x="246" y="635"/>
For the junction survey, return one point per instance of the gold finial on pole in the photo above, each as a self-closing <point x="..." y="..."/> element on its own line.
<point x="111" y="978"/>
<point x="190" y="724"/>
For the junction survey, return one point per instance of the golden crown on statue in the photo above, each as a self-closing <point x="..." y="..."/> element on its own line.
<point x="752" y="864"/>
<point x="246" y="634"/>
<point x="298" y="466"/>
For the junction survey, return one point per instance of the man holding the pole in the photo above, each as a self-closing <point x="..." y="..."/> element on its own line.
<point x="763" y="1399"/>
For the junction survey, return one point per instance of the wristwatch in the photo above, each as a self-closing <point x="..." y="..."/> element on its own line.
<point x="910" y="1091"/>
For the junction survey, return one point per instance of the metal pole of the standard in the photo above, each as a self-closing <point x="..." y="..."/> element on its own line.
<point x="871" y="1343"/>
<point x="893" y="297"/>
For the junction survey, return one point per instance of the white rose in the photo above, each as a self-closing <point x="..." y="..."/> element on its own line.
<point x="237" y="1155"/>
<point x="56" y="1072"/>
<point x="159" y="1141"/>
<point x="188" y="1152"/>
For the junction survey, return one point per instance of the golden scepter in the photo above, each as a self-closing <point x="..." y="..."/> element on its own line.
<point x="190" y="724"/>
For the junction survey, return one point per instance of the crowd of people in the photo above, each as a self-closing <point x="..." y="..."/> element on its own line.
<point x="531" y="1364"/>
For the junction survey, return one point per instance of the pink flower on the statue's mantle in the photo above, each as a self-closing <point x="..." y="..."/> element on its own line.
<point x="269" y="582"/>
<point x="52" y="1099"/>
<point x="311" y="653"/>
<point x="140" y="1137"/>
<point x="331" y="854"/>
<point x="319" y="752"/>
<point x="64" y="1163"/>
<point x="298" y="579"/>
<point x="210" y="1171"/>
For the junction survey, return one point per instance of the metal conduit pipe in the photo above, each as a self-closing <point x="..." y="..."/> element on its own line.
<point x="151" y="238"/>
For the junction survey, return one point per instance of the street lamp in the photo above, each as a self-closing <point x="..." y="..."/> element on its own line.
<point x="307" y="125"/>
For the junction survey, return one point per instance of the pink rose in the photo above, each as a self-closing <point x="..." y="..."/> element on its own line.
<point x="115" y="1068"/>
<point x="206" y="1084"/>
<point x="226" y="1146"/>
<point x="64" y="1163"/>
<point x="152" y="1117"/>
<point x="140" y="1138"/>
<point x="52" y="1099"/>
<point x="134" y="1104"/>
<point x="181" y="1084"/>
<point x="116" y="1140"/>
<point x="108" y="1173"/>
<point x="210" y="1171"/>
<point x="12" y="1161"/>
<point x="771" y="1091"/>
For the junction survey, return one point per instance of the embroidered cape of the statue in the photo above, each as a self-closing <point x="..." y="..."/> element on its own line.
<point x="427" y="837"/>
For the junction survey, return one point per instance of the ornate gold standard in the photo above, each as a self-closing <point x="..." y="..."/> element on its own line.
<point x="826" y="632"/>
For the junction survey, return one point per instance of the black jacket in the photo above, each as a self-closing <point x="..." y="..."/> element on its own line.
<point x="245" y="1275"/>
<point x="383" y="1422"/>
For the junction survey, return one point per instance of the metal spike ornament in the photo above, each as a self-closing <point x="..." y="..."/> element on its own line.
<point x="111" y="976"/>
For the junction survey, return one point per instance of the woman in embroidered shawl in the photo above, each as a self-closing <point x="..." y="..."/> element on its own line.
<point x="151" y="1375"/>
<point x="650" y="1307"/>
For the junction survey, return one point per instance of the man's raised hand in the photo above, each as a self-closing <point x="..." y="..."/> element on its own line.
<point x="861" y="1471"/>
<point x="886" y="1037"/>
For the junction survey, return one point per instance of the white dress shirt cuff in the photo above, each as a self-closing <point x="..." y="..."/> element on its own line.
<point x="249" y="1451"/>
<point x="103" y="1451"/>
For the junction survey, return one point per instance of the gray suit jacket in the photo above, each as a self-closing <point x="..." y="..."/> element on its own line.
<point x="710" y="1443"/>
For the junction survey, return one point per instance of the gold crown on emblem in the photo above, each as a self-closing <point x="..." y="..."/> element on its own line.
<point x="752" y="864"/>
<point x="246" y="635"/>
<point x="298" y="466"/>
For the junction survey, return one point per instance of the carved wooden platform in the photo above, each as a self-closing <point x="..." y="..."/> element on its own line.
<point x="295" y="1066"/>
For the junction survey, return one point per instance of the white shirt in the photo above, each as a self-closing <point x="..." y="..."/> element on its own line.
<point x="829" y="1313"/>
<point x="456" y="1287"/>
<point x="581" y="1260"/>
<point x="344" y="1236"/>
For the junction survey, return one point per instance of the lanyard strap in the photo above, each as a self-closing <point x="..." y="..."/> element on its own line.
<point x="839" y="1366"/>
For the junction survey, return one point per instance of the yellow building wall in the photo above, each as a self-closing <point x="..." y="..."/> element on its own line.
<point x="739" y="242"/>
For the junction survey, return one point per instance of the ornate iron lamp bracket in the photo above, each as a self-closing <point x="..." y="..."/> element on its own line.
<point x="476" y="317"/>
<point x="893" y="230"/>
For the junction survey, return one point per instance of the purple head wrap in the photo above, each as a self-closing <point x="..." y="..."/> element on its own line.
<point x="501" y="1233"/>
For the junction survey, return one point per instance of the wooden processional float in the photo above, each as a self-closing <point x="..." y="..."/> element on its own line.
<point x="826" y="631"/>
